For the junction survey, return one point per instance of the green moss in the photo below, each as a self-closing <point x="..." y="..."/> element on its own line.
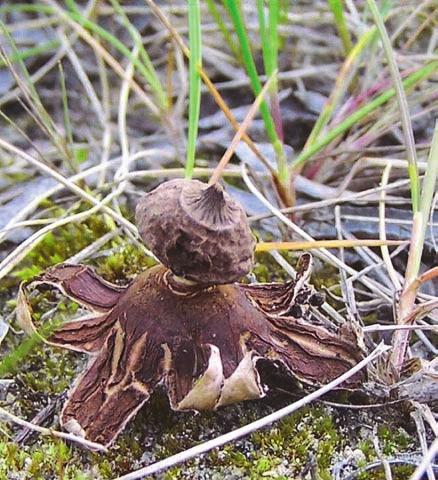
<point x="48" y="370"/>
<point x="60" y="244"/>
<point x="284" y="450"/>
<point x="123" y="264"/>
<point x="399" y="472"/>
<point x="367" y="448"/>
<point x="51" y="459"/>
<point x="280" y="452"/>
<point x="392" y="440"/>
<point x="266" y="268"/>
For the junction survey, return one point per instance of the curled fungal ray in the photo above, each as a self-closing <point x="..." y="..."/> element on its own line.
<point x="205" y="344"/>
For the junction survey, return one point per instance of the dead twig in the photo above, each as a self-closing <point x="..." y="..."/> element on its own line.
<point x="48" y="431"/>
<point x="426" y="462"/>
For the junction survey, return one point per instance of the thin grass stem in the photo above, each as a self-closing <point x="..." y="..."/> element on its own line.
<point x="217" y="17"/>
<point x="240" y="132"/>
<point x="151" y="77"/>
<point x="195" y="63"/>
<point x="312" y="245"/>
<point x="26" y="53"/>
<point x="402" y="103"/>
<point x="408" y="296"/>
<point x="65" y="109"/>
<point x="337" y="9"/>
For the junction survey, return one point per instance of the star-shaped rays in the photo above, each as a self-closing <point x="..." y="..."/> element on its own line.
<point x="202" y="343"/>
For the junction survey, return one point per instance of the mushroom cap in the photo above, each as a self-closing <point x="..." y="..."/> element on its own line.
<point x="197" y="231"/>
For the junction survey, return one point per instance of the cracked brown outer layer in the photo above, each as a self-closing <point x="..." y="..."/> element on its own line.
<point x="203" y="344"/>
<point x="196" y="230"/>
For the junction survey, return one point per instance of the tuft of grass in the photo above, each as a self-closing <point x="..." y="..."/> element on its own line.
<point x="352" y="59"/>
<point x="419" y="226"/>
<point x="34" y="104"/>
<point x="409" y="82"/>
<point x="74" y="14"/>
<point x="234" y="9"/>
<point x="148" y="71"/>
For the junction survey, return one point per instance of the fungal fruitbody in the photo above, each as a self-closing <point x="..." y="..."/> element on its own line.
<point x="185" y="325"/>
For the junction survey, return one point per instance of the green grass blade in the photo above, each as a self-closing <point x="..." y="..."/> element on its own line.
<point x="65" y="109"/>
<point x="268" y="29"/>
<point x="403" y="106"/>
<point x="337" y="9"/>
<point x="238" y="22"/>
<point x="338" y="90"/>
<point x="11" y="362"/>
<point x="421" y="217"/>
<point x="32" y="52"/>
<point x="195" y="62"/>
<point x="26" y="8"/>
<point x="284" y="8"/>
<point x="263" y="32"/>
<point x="274" y="15"/>
<point x="364" y="41"/>
<point x="430" y="179"/>
<point x="362" y="112"/>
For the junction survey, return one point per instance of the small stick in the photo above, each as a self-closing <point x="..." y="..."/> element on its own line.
<point x="426" y="462"/>
<point x="40" y="418"/>
<point x="421" y="432"/>
<point x="423" y="278"/>
<point x="48" y="431"/>
<point x="391" y="328"/>
<point x="309" y="245"/>
<point x="382" y="231"/>
<point x="380" y="455"/>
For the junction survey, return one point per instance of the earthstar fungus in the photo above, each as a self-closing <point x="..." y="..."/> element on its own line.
<point x="185" y="325"/>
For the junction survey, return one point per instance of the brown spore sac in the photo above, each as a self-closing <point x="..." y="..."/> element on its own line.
<point x="196" y="230"/>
